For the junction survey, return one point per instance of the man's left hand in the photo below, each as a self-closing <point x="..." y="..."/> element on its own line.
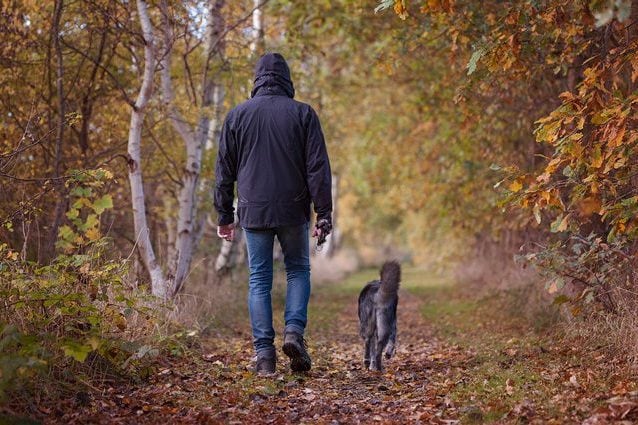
<point x="226" y="232"/>
<point x="321" y="231"/>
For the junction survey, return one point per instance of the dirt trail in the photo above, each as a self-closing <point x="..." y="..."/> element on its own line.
<point x="461" y="358"/>
<point x="340" y="390"/>
<point x="216" y="386"/>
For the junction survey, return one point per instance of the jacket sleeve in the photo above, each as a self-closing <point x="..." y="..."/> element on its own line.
<point x="225" y="175"/>
<point x="318" y="174"/>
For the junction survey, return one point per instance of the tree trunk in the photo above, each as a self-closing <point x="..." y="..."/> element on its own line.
<point x="61" y="203"/>
<point x="257" y="46"/>
<point x="143" y="240"/>
<point x="169" y="223"/>
<point x="194" y="142"/>
<point x="59" y="135"/>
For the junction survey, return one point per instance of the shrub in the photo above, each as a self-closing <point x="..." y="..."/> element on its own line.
<point x="76" y="314"/>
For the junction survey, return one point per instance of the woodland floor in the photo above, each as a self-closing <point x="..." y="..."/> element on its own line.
<point x="461" y="358"/>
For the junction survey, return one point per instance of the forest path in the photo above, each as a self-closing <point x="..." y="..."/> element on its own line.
<point x="460" y="359"/>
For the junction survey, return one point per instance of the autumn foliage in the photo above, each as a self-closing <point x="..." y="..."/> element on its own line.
<point x="553" y="84"/>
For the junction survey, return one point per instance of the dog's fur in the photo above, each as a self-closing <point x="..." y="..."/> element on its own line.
<point x="378" y="315"/>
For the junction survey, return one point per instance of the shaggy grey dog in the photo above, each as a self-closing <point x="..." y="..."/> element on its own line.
<point x="378" y="315"/>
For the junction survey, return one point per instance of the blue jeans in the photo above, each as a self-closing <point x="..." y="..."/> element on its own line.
<point x="295" y="246"/>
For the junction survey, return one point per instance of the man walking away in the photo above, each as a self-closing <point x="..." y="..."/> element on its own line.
<point x="274" y="148"/>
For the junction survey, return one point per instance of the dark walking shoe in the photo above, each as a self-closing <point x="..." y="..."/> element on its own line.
<point x="265" y="365"/>
<point x="295" y="348"/>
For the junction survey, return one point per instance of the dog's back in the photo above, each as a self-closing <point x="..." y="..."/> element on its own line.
<point x="378" y="314"/>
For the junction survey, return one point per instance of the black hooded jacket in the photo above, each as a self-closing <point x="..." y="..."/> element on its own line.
<point x="274" y="148"/>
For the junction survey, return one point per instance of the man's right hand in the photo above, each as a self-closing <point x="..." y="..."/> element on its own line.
<point x="226" y="232"/>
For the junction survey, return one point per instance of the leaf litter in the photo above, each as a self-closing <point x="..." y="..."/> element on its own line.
<point x="434" y="378"/>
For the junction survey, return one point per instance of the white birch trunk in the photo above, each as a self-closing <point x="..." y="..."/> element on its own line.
<point x="257" y="42"/>
<point x="169" y="223"/>
<point x="194" y="141"/>
<point x="143" y="240"/>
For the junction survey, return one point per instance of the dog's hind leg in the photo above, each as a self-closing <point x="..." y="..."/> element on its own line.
<point x="374" y="363"/>
<point x="382" y="337"/>
<point x="367" y="350"/>
<point x="369" y="333"/>
<point x="392" y="341"/>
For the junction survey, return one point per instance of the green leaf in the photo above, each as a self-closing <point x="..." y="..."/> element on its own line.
<point x="81" y="191"/>
<point x="91" y="221"/>
<point x="81" y="202"/>
<point x="66" y="233"/>
<point x="78" y="260"/>
<point x="73" y="214"/>
<point x="629" y="202"/>
<point x="104" y="203"/>
<point x="76" y="351"/>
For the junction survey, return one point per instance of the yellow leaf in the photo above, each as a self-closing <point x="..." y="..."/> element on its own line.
<point x="400" y="9"/>
<point x="94" y="342"/>
<point x="617" y="139"/>
<point x="515" y="186"/>
<point x="93" y="234"/>
<point x="594" y="187"/>
<point x="548" y="132"/>
<point x="581" y="123"/>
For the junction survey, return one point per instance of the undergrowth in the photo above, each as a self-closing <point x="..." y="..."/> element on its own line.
<point x="76" y="320"/>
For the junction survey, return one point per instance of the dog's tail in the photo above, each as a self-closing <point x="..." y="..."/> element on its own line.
<point x="390" y="279"/>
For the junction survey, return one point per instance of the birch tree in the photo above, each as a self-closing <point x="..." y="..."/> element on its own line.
<point x="194" y="139"/>
<point x="257" y="43"/>
<point x="159" y="286"/>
